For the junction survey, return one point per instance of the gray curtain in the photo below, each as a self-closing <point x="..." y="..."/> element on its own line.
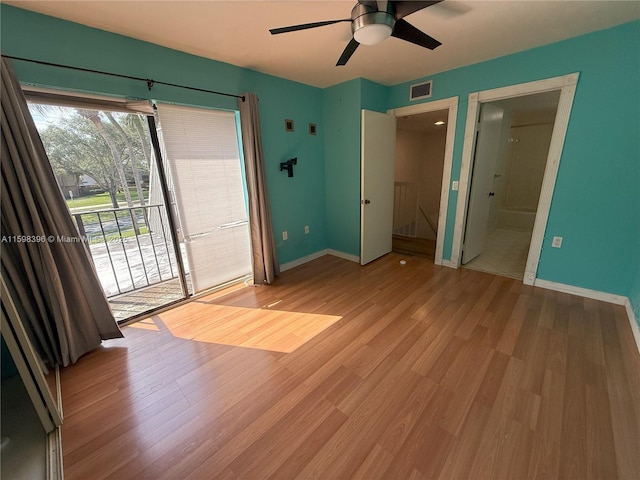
<point x="265" y="261"/>
<point x="52" y="281"/>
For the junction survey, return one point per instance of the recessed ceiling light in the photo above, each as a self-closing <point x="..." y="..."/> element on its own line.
<point x="439" y="122"/>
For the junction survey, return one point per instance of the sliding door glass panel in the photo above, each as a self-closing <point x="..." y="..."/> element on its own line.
<point x="102" y="160"/>
<point x="202" y="152"/>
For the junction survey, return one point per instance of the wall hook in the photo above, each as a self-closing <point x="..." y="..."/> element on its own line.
<point x="288" y="166"/>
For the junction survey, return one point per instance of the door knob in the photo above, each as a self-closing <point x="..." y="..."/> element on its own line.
<point x="492" y="194"/>
<point x="366" y="201"/>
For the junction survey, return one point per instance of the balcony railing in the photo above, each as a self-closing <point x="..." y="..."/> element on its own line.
<point x="131" y="247"/>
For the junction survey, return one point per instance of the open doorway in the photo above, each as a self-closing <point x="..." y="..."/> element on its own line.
<point x="511" y="154"/>
<point x="440" y="158"/>
<point x="566" y="86"/>
<point x="419" y="163"/>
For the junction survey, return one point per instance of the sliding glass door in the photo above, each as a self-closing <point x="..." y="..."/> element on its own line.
<point x="202" y="156"/>
<point x="102" y="160"/>
<point x="157" y="232"/>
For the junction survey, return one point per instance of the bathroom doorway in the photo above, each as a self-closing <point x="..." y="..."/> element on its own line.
<point x="511" y="154"/>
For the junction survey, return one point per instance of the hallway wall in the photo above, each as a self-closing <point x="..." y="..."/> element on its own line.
<point x="420" y="160"/>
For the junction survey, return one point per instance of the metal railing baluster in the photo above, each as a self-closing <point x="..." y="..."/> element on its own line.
<point x="124" y="250"/>
<point x="116" y="264"/>
<point x="136" y="232"/>
<point x="153" y="245"/>
<point x="166" y="244"/>
<point x="106" y="244"/>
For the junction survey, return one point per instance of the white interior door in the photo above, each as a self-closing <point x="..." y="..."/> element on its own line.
<point x="377" y="180"/>
<point x="481" y="195"/>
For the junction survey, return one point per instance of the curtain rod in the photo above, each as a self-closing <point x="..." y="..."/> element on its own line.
<point x="150" y="82"/>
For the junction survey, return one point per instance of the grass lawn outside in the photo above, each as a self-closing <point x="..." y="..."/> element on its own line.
<point x="102" y="199"/>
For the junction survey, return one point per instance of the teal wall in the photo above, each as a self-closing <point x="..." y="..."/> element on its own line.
<point x="596" y="203"/>
<point x="342" y="106"/>
<point x="634" y="297"/>
<point x="295" y="202"/>
<point x="373" y="96"/>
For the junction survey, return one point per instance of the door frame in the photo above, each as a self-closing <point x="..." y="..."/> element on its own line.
<point x="566" y="84"/>
<point x="450" y="104"/>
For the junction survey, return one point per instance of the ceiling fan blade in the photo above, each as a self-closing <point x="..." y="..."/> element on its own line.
<point x="304" y="26"/>
<point x="348" y="51"/>
<point x="404" y="8"/>
<point x="407" y="32"/>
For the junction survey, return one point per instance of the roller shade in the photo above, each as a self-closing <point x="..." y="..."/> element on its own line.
<point x="202" y="153"/>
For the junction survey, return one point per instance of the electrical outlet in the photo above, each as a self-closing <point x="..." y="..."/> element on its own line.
<point x="306" y="229"/>
<point x="556" y="242"/>
<point x="455" y="185"/>
<point x="285" y="235"/>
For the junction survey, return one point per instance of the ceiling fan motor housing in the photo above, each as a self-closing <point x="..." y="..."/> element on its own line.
<point x="370" y="25"/>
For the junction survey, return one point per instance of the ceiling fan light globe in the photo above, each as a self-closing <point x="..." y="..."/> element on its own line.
<point x="371" y="27"/>
<point x="372" y="34"/>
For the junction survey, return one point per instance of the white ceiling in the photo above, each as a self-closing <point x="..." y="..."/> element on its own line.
<point x="237" y="32"/>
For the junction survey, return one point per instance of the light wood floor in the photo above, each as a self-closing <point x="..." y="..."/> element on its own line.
<point x="427" y="373"/>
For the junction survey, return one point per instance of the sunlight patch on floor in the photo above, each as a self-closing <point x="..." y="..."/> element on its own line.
<point x="273" y="330"/>
<point x="146" y="324"/>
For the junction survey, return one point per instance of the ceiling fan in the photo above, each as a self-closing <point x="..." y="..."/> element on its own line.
<point x="372" y="22"/>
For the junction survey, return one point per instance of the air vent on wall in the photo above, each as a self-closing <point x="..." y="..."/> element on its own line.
<point x="420" y="90"/>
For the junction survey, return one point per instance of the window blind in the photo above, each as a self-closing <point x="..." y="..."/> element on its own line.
<point x="202" y="153"/>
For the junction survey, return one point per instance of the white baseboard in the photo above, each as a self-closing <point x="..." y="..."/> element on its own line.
<point x="635" y="328"/>
<point x="320" y="253"/>
<point x="346" y="256"/>
<point x="299" y="261"/>
<point x="581" y="292"/>
<point x="596" y="295"/>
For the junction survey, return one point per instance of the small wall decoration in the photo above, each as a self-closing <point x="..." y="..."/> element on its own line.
<point x="288" y="125"/>
<point x="288" y="166"/>
<point x="312" y="129"/>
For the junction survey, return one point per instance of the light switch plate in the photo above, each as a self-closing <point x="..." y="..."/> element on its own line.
<point x="455" y="185"/>
<point x="556" y="242"/>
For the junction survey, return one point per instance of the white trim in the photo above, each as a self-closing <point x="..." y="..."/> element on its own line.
<point x="54" y="455"/>
<point x="448" y="263"/>
<point x="596" y="295"/>
<point x="424" y="107"/>
<point x="581" y="292"/>
<point x="346" y="256"/>
<point x="299" y="261"/>
<point x="635" y="328"/>
<point x="549" y="180"/>
<point x="320" y="253"/>
<point x="451" y="104"/>
<point x="567" y="85"/>
<point x="523" y="89"/>
<point x="28" y="363"/>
